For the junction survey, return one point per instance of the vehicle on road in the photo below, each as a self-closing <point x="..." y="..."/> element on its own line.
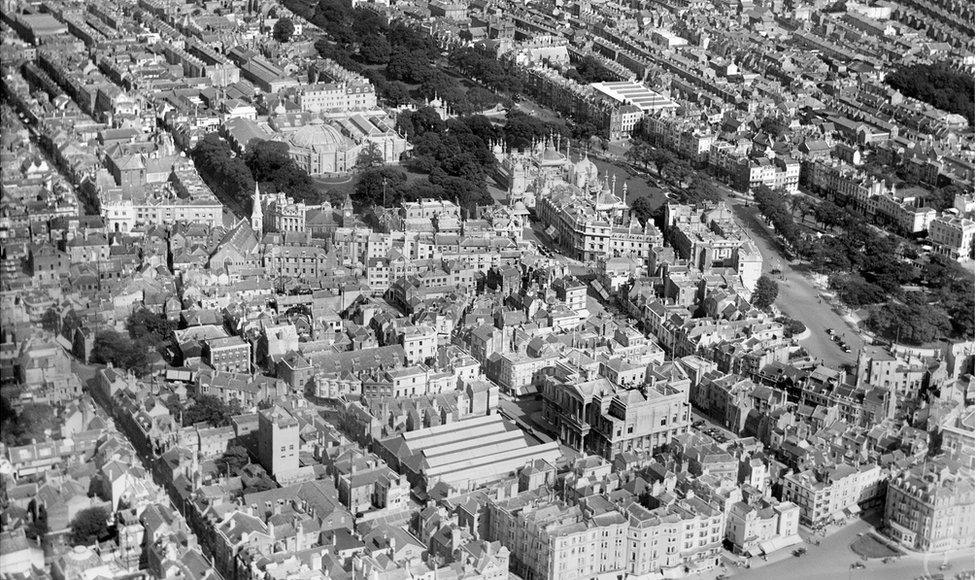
<point x="857" y="566"/>
<point x="830" y="331"/>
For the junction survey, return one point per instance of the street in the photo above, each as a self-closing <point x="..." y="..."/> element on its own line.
<point x="800" y="299"/>
<point x="833" y="559"/>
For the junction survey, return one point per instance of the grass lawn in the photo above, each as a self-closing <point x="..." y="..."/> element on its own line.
<point x="869" y="546"/>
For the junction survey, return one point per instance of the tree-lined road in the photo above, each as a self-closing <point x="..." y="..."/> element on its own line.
<point x="800" y="299"/>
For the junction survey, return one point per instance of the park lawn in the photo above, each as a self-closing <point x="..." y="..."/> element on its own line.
<point x="871" y="547"/>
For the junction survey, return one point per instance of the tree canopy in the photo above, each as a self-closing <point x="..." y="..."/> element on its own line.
<point x="269" y="161"/>
<point x="226" y="174"/>
<point x="89" y="525"/>
<point x="31" y="423"/>
<point x="913" y="321"/>
<point x="232" y="461"/>
<point x="765" y="294"/>
<point x="149" y="327"/>
<point x="210" y="409"/>
<point x="111" y="347"/>
<point x="589" y="70"/>
<point x="938" y="85"/>
<point x="283" y="29"/>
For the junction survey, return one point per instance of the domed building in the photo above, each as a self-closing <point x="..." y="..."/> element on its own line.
<point x="333" y="145"/>
<point x="320" y="148"/>
<point x="584" y="172"/>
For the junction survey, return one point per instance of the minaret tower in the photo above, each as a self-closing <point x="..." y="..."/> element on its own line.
<point x="257" y="213"/>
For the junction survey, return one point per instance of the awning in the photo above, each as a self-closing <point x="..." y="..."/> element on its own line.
<point x="778" y="543"/>
<point x="526" y="390"/>
<point x="853" y="510"/>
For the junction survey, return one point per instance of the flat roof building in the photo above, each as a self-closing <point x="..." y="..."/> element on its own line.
<point x="634" y="93"/>
<point x="466" y="454"/>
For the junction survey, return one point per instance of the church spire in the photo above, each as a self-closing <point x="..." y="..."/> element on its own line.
<point x="257" y="213"/>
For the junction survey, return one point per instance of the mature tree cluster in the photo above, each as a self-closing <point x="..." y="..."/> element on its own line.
<point x="383" y="186"/>
<point x="211" y="410"/>
<point x="855" y="291"/>
<point x="225" y="173"/>
<point x="791" y="326"/>
<point x="589" y="70"/>
<point x="872" y="268"/>
<point x="89" y="526"/>
<point x="454" y="155"/>
<point x="269" y="162"/>
<point x="481" y="64"/>
<point x="911" y="321"/>
<point x="938" y="85"/>
<point x="232" y="461"/>
<point x="112" y="347"/>
<point x="31" y="423"/>
<point x="773" y="206"/>
<point x="766" y="292"/>
<point x="521" y="130"/>
<point x="283" y="29"/>
<point x="149" y="327"/>
<point x="358" y="40"/>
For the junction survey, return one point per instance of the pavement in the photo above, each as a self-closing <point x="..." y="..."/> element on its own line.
<point x="833" y="559"/>
<point x="800" y="298"/>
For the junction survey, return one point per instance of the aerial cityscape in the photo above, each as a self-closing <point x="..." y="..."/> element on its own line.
<point x="487" y="289"/>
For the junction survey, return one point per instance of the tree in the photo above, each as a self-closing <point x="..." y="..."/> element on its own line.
<point x="370" y="186"/>
<point x="369" y="156"/>
<point x="856" y="291"/>
<point x="226" y="174"/>
<point x="643" y="208"/>
<point x="211" y="410"/>
<point x="765" y="294"/>
<point x="111" y="347"/>
<point x="791" y="326"/>
<point x="269" y="161"/>
<point x="283" y="29"/>
<point x="232" y="461"/>
<point x="89" y="525"/>
<point x="938" y="85"/>
<point x="34" y="422"/>
<point x="394" y="93"/>
<point x="590" y="70"/>
<point x="375" y="49"/>
<point x="521" y="130"/>
<point x="481" y="99"/>
<point x="51" y="321"/>
<point x="259" y="484"/>
<point x="912" y="322"/>
<point x="145" y="325"/>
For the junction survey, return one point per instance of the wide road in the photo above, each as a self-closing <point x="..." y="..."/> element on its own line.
<point x="799" y="298"/>
<point x="833" y="558"/>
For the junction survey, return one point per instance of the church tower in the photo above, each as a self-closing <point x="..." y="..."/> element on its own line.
<point x="346" y="217"/>
<point x="257" y="213"/>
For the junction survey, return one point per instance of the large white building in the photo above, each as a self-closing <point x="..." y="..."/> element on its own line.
<point x="953" y="235"/>
<point x="333" y="146"/>
<point x="337" y="97"/>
